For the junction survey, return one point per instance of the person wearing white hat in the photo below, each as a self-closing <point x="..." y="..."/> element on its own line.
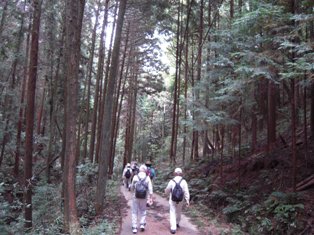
<point x="140" y="181"/>
<point x="127" y="176"/>
<point x="178" y="191"/>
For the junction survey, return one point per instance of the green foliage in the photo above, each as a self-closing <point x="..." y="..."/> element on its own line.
<point x="47" y="211"/>
<point x="86" y="173"/>
<point x="218" y="197"/>
<point x="103" y="228"/>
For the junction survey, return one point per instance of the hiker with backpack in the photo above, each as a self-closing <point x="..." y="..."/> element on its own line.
<point x="150" y="170"/>
<point x="143" y="190"/>
<point x="126" y="176"/>
<point x="178" y="192"/>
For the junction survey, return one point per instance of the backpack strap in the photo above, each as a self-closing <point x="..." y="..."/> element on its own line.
<point x="143" y="180"/>
<point x="178" y="182"/>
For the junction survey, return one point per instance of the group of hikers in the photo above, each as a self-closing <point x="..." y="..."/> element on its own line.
<point x="139" y="179"/>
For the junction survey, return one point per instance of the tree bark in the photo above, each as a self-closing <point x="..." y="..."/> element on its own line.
<point x="89" y="80"/>
<point x="74" y="15"/>
<point x="105" y="146"/>
<point x="30" y="109"/>
<point x="97" y="96"/>
<point x="271" y="114"/>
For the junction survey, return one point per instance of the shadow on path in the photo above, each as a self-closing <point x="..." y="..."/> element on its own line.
<point x="157" y="218"/>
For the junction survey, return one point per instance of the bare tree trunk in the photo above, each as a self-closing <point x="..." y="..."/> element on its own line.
<point x="21" y="108"/>
<point x="239" y="145"/>
<point x="74" y="15"/>
<point x="176" y="92"/>
<point x="105" y="146"/>
<point x="31" y="88"/>
<point x="186" y="76"/>
<point x="3" y="17"/>
<point x="89" y="79"/>
<point x="99" y="75"/>
<point x="254" y="131"/>
<point x="116" y="110"/>
<point x="104" y="90"/>
<point x="40" y="112"/>
<point x="293" y="135"/>
<point x="271" y="114"/>
<point x="199" y="71"/>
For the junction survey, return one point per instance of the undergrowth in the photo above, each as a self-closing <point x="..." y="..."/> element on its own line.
<point x="48" y="207"/>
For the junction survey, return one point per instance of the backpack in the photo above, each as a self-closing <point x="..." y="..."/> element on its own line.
<point x="151" y="172"/>
<point x="141" y="188"/>
<point x="177" y="193"/>
<point x="127" y="174"/>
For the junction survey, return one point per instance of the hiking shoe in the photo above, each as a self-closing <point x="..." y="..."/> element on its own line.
<point x="142" y="227"/>
<point x="173" y="231"/>
<point x="134" y="230"/>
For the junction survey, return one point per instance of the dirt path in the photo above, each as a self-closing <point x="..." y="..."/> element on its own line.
<point x="157" y="218"/>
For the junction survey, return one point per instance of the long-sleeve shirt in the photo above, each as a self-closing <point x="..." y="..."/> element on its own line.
<point x="125" y="169"/>
<point x="184" y="186"/>
<point x="142" y="175"/>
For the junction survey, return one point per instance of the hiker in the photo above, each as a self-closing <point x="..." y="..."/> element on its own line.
<point x="143" y="190"/>
<point x="135" y="169"/>
<point x="150" y="170"/>
<point x="126" y="176"/>
<point x="178" y="191"/>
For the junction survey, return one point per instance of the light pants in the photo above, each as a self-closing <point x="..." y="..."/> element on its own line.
<point x="138" y="209"/>
<point x="175" y="214"/>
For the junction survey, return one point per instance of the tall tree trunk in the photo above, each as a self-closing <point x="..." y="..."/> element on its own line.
<point x="21" y="120"/>
<point x="3" y="17"/>
<point x="116" y="112"/>
<point x="175" y="95"/>
<point x="99" y="75"/>
<point x="40" y="112"/>
<point x="311" y="38"/>
<point x="89" y="79"/>
<point x="105" y="146"/>
<point x="239" y="145"/>
<point x="271" y="114"/>
<point x="74" y="17"/>
<point x="199" y="72"/>
<point x="30" y="109"/>
<point x="186" y="76"/>
<point x="293" y="135"/>
<point x="104" y="90"/>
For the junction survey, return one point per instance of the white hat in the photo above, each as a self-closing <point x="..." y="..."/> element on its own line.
<point x="128" y="164"/>
<point x="143" y="168"/>
<point x="178" y="170"/>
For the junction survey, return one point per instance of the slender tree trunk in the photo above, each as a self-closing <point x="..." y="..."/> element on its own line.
<point x="104" y="90"/>
<point x="99" y="75"/>
<point x="3" y="17"/>
<point x="105" y="146"/>
<point x="312" y="110"/>
<point x="254" y="131"/>
<point x="30" y="109"/>
<point x="21" y="120"/>
<point x="271" y="114"/>
<point x="51" y="84"/>
<point x="186" y="77"/>
<point x="293" y="134"/>
<point x="74" y="15"/>
<point x="199" y="72"/>
<point x="89" y="80"/>
<point x="40" y="112"/>
<point x="239" y="146"/>
<point x="175" y="95"/>
<point x="116" y="111"/>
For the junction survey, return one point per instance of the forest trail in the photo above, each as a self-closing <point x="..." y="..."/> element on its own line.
<point x="157" y="218"/>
